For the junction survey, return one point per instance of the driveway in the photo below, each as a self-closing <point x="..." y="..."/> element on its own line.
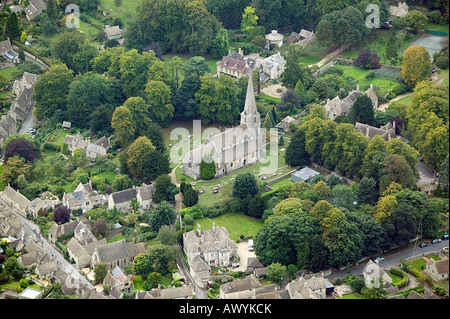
<point x="243" y="254"/>
<point x="29" y="122"/>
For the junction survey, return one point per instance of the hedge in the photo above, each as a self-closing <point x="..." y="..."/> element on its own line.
<point x="405" y="277"/>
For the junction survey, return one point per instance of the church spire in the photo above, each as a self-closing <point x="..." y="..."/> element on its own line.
<point x="250" y="115"/>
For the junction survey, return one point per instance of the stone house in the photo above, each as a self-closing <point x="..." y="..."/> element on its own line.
<point x="336" y="106"/>
<point x="9" y="222"/>
<point x="399" y="11"/>
<point x="84" y="198"/>
<point x="114" y="33"/>
<point x="8" y="127"/>
<point x="285" y="123"/>
<point x="184" y="292"/>
<point x="438" y="269"/>
<point x="7" y="51"/>
<point x="118" y="279"/>
<point x="385" y="131"/>
<point x="120" y="253"/>
<point x="99" y="148"/>
<point x="313" y="287"/>
<point x="234" y="64"/>
<point x="272" y="67"/>
<point x="209" y="248"/>
<point x="240" y="289"/>
<point x="35" y="9"/>
<point x="372" y="272"/>
<point x="57" y="230"/>
<point x="122" y="200"/>
<point x="16" y="200"/>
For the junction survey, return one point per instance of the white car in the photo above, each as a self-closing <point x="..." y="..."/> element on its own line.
<point x="378" y="259"/>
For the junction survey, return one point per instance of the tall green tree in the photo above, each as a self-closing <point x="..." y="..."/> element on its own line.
<point x="220" y="44"/>
<point x="51" y="90"/>
<point x="245" y="186"/>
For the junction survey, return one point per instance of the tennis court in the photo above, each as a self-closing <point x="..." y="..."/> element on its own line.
<point x="431" y="42"/>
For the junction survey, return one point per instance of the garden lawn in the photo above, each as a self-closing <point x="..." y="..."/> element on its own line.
<point x="359" y="75"/>
<point x="126" y="12"/>
<point x="236" y="223"/>
<point x="7" y="72"/>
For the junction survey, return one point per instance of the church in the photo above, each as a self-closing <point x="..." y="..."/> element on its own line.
<point x="234" y="148"/>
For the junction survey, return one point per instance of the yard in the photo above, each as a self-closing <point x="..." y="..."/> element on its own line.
<point x="237" y="224"/>
<point x="126" y="12"/>
<point x="359" y="75"/>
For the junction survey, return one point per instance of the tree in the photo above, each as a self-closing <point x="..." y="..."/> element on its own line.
<point x="162" y="215"/>
<point x="220" y="45"/>
<point x="297" y="229"/>
<point x="207" y="167"/>
<point x="122" y="123"/>
<point x="190" y="196"/>
<point x="52" y="8"/>
<point x="51" y="90"/>
<point x="367" y="192"/>
<point x="21" y="147"/>
<point x="165" y="190"/>
<point x="324" y="33"/>
<point x="416" y="21"/>
<point x="245" y="186"/>
<point x="296" y="155"/>
<point x="159" y="97"/>
<point x="416" y="65"/>
<point x="86" y="93"/>
<point x="249" y="20"/>
<point x="142" y="159"/>
<point x="15" y="167"/>
<point x="196" y="65"/>
<point x="362" y="110"/>
<point x="100" y="272"/>
<point x="363" y="59"/>
<point x="276" y="272"/>
<point x="167" y="235"/>
<point x="69" y="46"/>
<point x="392" y="49"/>
<point x="100" y="228"/>
<point x="396" y="169"/>
<point x="61" y="214"/>
<point x="12" y="26"/>
<point x="256" y="207"/>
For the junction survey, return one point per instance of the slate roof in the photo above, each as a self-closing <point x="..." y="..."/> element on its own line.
<point x="231" y="63"/>
<point x="119" y="250"/>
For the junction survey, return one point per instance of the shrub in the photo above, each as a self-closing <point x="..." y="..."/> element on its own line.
<point x="442" y="62"/>
<point x="405" y="277"/>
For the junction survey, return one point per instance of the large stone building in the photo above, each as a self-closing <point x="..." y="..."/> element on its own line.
<point x="234" y="148"/>
<point x="336" y="106"/>
<point x="209" y="248"/>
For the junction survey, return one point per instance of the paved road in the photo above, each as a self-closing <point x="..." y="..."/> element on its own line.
<point x="393" y="259"/>
<point x="201" y="294"/>
<point x="29" y="122"/>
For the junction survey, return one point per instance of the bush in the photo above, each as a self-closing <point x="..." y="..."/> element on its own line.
<point x="405" y="277"/>
<point x="442" y="62"/>
<point x="399" y="88"/>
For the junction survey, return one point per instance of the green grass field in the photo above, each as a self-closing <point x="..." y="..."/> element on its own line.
<point x="126" y="12"/>
<point x="236" y="223"/>
<point x="359" y="75"/>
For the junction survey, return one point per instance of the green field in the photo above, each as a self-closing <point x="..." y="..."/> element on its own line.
<point x="359" y="75"/>
<point x="236" y="223"/>
<point x="7" y="72"/>
<point x="126" y="12"/>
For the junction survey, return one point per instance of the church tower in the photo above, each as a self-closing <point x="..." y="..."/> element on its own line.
<point x="250" y="116"/>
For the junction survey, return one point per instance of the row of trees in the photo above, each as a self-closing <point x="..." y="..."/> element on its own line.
<point x="341" y="147"/>
<point x="320" y="220"/>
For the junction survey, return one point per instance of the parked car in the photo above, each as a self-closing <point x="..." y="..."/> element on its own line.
<point x="445" y="237"/>
<point x="31" y="131"/>
<point x="378" y="259"/>
<point x="436" y="241"/>
<point x="424" y="245"/>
